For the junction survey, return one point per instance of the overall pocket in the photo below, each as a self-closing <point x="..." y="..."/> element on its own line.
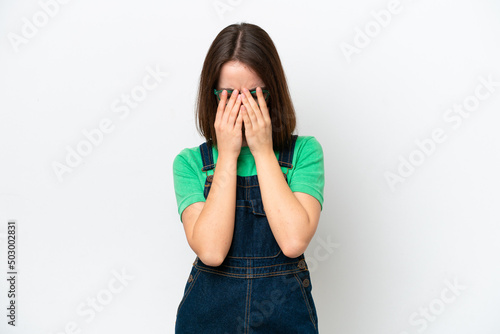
<point x="252" y="237"/>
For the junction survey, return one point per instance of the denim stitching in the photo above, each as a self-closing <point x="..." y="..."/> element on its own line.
<point x="207" y="165"/>
<point x="277" y="273"/>
<point x="306" y="301"/>
<point x="189" y="289"/>
<point x="210" y="154"/>
<point x="274" y="265"/>
<point x="247" y="305"/>
<point x="204" y="155"/>
<point x="254" y="257"/>
<point x="253" y="211"/>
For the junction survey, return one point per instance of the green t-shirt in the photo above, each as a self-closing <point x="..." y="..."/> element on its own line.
<point x="307" y="174"/>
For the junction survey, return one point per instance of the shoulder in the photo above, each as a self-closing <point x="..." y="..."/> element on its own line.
<point x="187" y="156"/>
<point x="308" y="144"/>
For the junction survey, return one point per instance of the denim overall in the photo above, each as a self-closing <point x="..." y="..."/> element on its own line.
<point x="257" y="289"/>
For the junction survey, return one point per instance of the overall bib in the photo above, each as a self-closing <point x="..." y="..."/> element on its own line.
<point x="257" y="289"/>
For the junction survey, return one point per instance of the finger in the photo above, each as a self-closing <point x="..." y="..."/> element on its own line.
<point x="234" y="112"/>
<point x="230" y="104"/>
<point x="263" y="104"/>
<point x="221" y="106"/>
<point x="239" y="121"/>
<point x="250" y="111"/>
<point x="246" y="118"/>
<point x="253" y="105"/>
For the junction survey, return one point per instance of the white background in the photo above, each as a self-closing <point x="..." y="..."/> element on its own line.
<point x="382" y="257"/>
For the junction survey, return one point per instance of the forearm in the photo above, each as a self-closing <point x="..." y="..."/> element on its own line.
<point x="287" y="218"/>
<point x="213" y="230"/>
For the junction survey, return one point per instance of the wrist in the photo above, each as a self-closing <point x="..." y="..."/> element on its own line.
<point x="266" y="155"/>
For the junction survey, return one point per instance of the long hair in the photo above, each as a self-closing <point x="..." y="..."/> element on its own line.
<point x="252" y="46"/>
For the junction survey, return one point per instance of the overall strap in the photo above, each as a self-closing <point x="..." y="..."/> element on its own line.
<point x="207" y="156"/>
<point x="286" y="155"/>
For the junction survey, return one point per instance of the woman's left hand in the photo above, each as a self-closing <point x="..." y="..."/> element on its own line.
<point x="258" y="126"/>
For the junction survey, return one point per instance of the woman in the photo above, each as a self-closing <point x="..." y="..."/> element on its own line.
<point x="250" y="273"/>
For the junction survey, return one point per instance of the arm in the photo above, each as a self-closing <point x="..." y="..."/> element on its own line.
<point x="293" y="217"/>
<point x="209" y="225"/>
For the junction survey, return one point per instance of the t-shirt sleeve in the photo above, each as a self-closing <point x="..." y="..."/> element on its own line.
<point x="309" y="174"/>
<point x="186" y="183"/>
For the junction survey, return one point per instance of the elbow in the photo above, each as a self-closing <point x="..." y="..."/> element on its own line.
<point x="211" y="259"/>
<point x="294" y="249"/>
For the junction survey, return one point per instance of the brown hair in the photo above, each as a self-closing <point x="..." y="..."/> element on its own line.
<point x="252" y="46"/>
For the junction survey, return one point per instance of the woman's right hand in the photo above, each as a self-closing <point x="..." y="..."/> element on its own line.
<point x="228" y="123"/>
